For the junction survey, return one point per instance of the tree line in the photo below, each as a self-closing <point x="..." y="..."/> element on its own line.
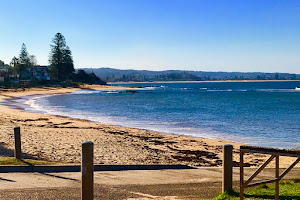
<point x="115" y="75"/>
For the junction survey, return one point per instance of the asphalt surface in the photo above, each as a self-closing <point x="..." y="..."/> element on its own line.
<point x="191" y="184"/>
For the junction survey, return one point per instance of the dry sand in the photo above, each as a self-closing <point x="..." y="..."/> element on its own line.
<point x="56" y="138"/>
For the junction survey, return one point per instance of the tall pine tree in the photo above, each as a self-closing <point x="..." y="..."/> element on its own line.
<point x="60" y="58"/>
<point x="24" y="56"/>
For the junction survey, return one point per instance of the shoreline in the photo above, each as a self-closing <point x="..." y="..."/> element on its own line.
<point x="23" y="107"/>
<point x="118" y="88"/>
<point x="216" y="81"/>
<point x="58" y="138"/>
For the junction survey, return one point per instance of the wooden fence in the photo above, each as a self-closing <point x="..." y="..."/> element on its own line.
<point x="275" y="153"/>
<point x="87" y="167"/>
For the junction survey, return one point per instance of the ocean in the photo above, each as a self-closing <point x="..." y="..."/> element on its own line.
<point x="257" y="113"/>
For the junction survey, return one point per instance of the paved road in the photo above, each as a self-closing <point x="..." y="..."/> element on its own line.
<point x="148" y="184"/>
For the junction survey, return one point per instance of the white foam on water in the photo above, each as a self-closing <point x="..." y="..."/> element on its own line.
<point x="112" y="92"/>
<point x="275" y="90"/>
<point x="86" y="92"/>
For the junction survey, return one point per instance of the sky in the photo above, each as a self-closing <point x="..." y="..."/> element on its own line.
<point x="201" y="35"/>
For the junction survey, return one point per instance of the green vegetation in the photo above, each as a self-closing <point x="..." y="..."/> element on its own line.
<point x="82" y="77"/>
<point x="14" y="161"/>
<point x="60" y="59"/>
<point x="288" y="189"/>
<point x="24" y="60"/>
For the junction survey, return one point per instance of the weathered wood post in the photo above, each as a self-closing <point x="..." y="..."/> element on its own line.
<point x="241" y="174"/>
<point x="227" y="167"/>
<point x="17" y="134"/>
<point x="87" y="171"/>
<point x="277" y="177"/>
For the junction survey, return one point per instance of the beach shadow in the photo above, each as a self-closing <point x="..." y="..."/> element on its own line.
<point x="56" y="176"/>
<point x="5" y="152"/>
<point x="29" y="164"/>
<point x="8" y="180"/>
<point x="11" y="153"/>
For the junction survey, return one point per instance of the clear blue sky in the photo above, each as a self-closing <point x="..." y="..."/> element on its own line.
<point x="211" y="35"/>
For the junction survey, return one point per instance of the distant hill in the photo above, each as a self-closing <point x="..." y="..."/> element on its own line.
<point x="115" y="75"/>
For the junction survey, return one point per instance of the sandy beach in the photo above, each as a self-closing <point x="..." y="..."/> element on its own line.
<point x="57" y="138"/>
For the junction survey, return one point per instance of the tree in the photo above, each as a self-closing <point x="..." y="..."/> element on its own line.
<point x="32" y="60"/>
<point x="15" y="63"/>
<point x="60" y="58"/>
<point x="1" y="63"/>
<point x="24" y="59"/>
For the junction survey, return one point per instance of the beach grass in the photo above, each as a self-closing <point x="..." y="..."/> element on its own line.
<point x="288" y="189"/>
<point x="13" y="161"/>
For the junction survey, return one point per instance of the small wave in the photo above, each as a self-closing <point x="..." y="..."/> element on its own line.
<point x="163" y="123"/>
<point x="31" y="102"/>
<point x="275" y="90"/>
<point x="150" y="88"/>
<point x="225" y="90"/>
<point x="86" y="92"/>
<point x="111" y="92"/>
<point x="228" y="90"/>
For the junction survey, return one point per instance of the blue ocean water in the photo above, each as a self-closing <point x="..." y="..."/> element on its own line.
<point x="256" y="113"/>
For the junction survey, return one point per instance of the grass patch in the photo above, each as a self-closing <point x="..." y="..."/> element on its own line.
<point x="227" y="195"/>
<point x="288" y="189"/>
<point x="14" y="161"/>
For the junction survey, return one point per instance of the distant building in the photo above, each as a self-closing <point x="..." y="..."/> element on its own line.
<point x="3" y="73"/>
<point x="36" y="72"/>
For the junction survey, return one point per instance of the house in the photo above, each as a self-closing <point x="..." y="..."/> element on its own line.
<point x="3" y="73"/>
<point x="36" y="72"/>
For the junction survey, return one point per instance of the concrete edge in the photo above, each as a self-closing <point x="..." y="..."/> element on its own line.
<point x="77" y="168"/>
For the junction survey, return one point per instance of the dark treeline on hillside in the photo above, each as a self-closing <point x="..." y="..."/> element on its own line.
<point x="115" y="75"/>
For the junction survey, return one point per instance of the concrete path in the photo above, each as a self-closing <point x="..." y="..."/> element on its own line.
<point x="146" y="184"/>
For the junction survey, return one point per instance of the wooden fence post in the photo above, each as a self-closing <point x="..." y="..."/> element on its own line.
<point x="277" y="177"/>
<point x="87" y="171"/>
<point x="241" y="174"/>
<point x="227" y="168"/>
<point x="17" y="134"/>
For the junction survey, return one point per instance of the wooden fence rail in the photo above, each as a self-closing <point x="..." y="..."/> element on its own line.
<point x="275" y="153"/>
